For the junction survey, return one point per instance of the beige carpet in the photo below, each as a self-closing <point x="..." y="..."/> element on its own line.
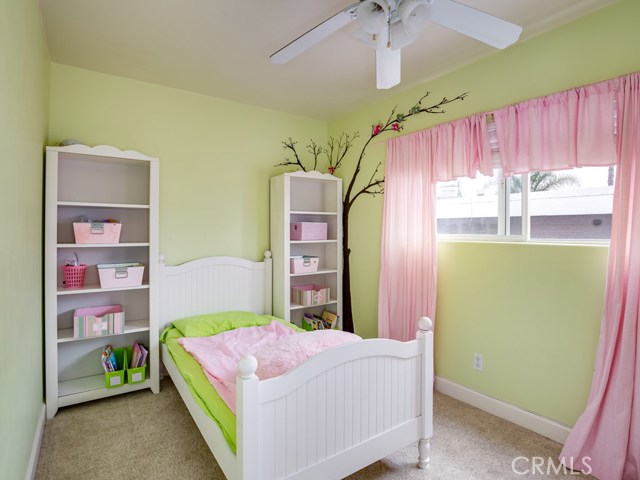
<point x="145" y="436"/>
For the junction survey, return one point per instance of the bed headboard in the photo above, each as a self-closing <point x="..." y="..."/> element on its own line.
<point x="214" y="284"/>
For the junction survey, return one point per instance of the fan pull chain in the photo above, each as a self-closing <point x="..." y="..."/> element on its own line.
<point x="389" y="29"/>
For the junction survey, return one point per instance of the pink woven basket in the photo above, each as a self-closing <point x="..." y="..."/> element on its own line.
<point x="74" y="276"/>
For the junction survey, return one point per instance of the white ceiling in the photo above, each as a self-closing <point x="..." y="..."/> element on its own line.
<point x="222" y="49"/>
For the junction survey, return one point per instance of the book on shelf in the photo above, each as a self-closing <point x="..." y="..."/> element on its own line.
<point x="314" y="321"/>
<point x="330" y="319"/>
<point x="138" y="355"/>
<point x="327" y="321"/>
<point x="109" y="363"/>
<point x="143" y="356"/>
<point x="135" y="355"/>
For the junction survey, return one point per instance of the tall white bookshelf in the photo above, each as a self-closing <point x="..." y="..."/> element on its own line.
<point x="306" y="197"/>
<point x="97" y="183"/>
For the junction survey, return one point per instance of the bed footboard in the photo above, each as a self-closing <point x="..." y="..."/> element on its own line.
<point x="338" y="412"/>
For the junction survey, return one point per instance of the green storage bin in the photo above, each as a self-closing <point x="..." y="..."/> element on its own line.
<point x="135" y="375"/>
<point x="306" y="325"/>
<point x="116" y="379"/>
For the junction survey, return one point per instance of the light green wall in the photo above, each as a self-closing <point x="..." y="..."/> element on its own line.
<point x="596" y="47"/>
<point x="24" y="90"/>
<point x="532" y="311"/>
<point x="216" y="156"/>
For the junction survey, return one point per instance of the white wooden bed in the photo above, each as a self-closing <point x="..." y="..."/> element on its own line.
<point x="331" y="416"/>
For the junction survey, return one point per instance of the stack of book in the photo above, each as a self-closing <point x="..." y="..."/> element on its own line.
<point x="109" y="362"/>
<point x="328" y="320"/>
<point x="138" y="355"/>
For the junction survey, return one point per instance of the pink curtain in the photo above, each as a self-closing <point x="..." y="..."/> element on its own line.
<point x="606" y="438"/>
<point x="408" y="257"/>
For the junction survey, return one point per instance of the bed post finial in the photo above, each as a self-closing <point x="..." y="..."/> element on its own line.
<point x="425" y="324"/>
<point x="247" y="367"/>
<point x="267" y="254"/>
<point x="161" y="259"/>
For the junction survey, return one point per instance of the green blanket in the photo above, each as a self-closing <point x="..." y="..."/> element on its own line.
<point x="202" y="391"/>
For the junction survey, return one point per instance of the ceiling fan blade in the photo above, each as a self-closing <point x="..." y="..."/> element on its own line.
<point x="474" y="23"/>
<point x="315" y="35"/>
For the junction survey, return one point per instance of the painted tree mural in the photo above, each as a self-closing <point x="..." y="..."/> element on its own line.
<point x="364" y="181"/>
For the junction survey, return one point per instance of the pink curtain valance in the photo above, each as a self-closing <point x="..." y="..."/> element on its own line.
<point x="459" y="148"/>
<point x="569" y="129"/>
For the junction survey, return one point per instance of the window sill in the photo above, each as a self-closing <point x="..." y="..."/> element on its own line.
<point x="517" y="240"/>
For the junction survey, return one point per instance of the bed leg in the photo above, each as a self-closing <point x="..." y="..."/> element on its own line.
<point x="424" y="453"/>
<point x="425" y="337"/>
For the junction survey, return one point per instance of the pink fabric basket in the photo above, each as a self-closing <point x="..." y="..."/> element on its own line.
<point x="304" y="264"/>
<point x="308" y="231"/>
<point x="309" y="294"/>
<point x="97" y="232"/>
<point x="120" y="275"/>
<point x="98" y="321"/>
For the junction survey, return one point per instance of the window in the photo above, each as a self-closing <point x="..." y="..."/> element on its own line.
<point x="562" y="205"/>
<point x="468" y="206"/>
<point x="571" y="204"/>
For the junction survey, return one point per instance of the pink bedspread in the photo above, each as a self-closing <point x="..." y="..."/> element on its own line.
<point x="276" y="347"/>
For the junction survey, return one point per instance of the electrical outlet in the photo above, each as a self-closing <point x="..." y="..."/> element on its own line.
<point x="478" y="361"/>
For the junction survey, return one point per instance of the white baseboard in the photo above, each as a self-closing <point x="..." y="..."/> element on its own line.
<point x="35" y="448"/>
<point x="541" y="425"/>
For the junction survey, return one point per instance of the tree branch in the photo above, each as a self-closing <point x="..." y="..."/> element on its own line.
<point x="314" y="149"/>
<point x="337" y="149"/>
<point x="291" y="145"/>
<point x="369" y="187"/>
<point x="394" y="122"/>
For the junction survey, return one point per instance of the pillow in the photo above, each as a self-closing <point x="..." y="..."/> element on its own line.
<point x="214" y="323"/>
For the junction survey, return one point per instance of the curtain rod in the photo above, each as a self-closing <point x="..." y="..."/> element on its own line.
<point x="489" y="120"/>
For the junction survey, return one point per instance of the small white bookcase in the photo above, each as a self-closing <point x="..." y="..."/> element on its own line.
<point x="98" y="183"/>
<point x="306" y="197"/>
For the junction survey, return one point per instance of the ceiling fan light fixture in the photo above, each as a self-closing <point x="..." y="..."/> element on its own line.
<point x="375" y="40"/>
<point x="372" y="15"/>
<point x="414" y="15"/>
<point x="400" y="38"/>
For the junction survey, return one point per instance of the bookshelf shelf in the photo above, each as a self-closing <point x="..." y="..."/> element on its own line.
<point x="134" y="326"/>
<point x="102" y="205"/>
<point x="295" y="306"/>
<point x="93" y="387"/>
<point x="297" y="212"/>
<point x="307" y="242"/>
<point x="103" y="245"/>
<point x="321" y="271"/>
<point x="97" y="289"/>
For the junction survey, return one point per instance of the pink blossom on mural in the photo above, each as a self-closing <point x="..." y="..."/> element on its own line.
<point x="376" y="129"/>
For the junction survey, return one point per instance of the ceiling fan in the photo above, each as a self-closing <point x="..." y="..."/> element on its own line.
<point x="389" y="25"/>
